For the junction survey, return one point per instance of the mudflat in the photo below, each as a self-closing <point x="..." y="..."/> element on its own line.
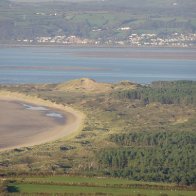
<point x="159" y="54"/>
<point x="27" y="124"/>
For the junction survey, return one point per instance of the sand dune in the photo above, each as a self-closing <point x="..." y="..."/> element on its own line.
<point x="28" y="121"/>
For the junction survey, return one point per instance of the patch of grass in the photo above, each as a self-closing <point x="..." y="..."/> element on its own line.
<point x="38" y="188"/>
<point x="99" y="181"/>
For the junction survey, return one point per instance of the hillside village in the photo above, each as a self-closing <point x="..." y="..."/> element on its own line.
<point x="132" y="23"/>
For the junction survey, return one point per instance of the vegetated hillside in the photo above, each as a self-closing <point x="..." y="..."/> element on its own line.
<point x="124" y="135"/>
<point x="159" y="153"/>
<point x="96" y="19"/>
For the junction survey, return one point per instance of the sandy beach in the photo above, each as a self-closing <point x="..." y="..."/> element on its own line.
<point x="28" y="121"/>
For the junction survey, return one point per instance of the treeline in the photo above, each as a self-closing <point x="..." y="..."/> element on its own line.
<point x="178" y="92"/>
<point x="161" y="138"/>
<point x="156" y="156"/>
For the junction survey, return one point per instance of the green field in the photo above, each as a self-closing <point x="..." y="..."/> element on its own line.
<point x="97" y="181"/>
<point x="94" y="186"/>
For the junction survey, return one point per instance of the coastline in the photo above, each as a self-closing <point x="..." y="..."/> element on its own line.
<point x="73" y="125"/>
<point x="92" y="46"/>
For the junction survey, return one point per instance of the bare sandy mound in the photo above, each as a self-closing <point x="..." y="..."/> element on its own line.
<point x="21" y="127"/>
<point x="90" y="85"/>
<point x="84" y="84"/>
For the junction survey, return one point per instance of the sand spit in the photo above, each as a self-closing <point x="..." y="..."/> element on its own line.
<point x="51" y="132"/>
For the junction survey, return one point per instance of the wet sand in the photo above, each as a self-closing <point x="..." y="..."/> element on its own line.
<point x="52" y="68"/>
<point x="179" y="55"/>
<point x="26" y="121"/>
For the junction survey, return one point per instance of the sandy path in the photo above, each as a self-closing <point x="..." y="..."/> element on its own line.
<point x="23" y="128"/>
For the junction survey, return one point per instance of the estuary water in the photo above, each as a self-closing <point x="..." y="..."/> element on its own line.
<point x="58" y="64"/>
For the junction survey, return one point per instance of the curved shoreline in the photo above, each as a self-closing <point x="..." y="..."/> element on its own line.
<point x="74" y="120"/>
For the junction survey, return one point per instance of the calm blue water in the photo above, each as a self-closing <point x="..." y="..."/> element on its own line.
<point x="54" y="65"/>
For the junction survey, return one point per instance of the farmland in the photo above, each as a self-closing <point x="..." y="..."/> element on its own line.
<point x="94" y="186"/>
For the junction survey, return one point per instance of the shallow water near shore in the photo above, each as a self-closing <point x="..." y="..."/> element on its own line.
<point x="59" y="64"/>
<point x="45" y="111"/>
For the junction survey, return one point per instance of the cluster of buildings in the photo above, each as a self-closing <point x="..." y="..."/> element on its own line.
<point x="44" y="14"/>
<point x="61" y="39"/>
<point x="173" y="40"/>
<point x="64" y="40"/>
<point x="134" y="40"/>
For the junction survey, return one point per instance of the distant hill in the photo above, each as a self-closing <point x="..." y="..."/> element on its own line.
<point x="50" y="0"/>
<point x="105" y="20"/>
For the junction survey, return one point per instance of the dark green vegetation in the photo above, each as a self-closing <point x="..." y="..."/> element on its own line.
<point x="95" y="19"/>
<point x="143" y="133"/>
<point x="153" y="156"/>
<point x="180" y="93"/>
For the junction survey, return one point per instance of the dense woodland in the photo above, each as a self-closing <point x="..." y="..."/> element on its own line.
<point x="164" y="156"/>
<point x="180" y="92"/>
